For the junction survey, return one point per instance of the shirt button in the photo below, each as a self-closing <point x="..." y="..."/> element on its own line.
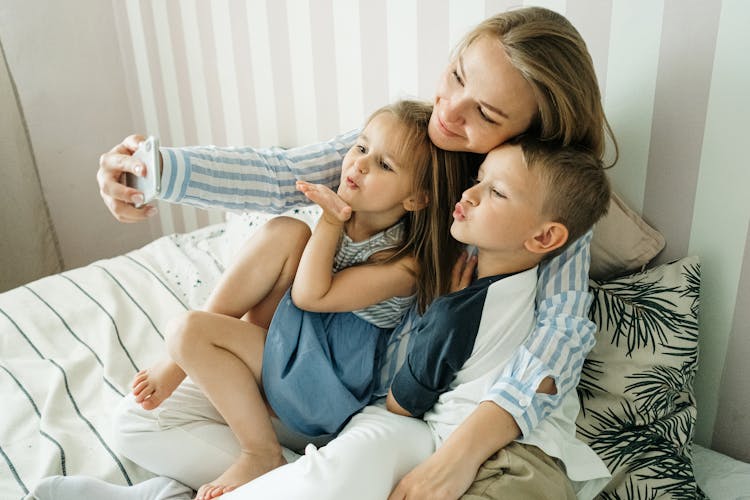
<point x="524" y="401"/>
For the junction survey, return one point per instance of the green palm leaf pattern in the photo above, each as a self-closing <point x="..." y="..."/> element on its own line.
<point x="641" y="313"/>
<point x="637" y="492"/>
<point x="590" y="372"/>
<point x="636" y="390"/>
<point x="657" y="390"/>
<point x="692" y="273"/>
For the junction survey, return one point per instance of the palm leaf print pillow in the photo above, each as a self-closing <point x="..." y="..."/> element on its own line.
<point x="636" y="391"/>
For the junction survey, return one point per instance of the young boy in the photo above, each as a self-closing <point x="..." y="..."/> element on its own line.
<point x="528" y="201"/>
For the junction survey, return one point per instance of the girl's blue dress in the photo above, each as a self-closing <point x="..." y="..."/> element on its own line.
<point x="318" y="368"/>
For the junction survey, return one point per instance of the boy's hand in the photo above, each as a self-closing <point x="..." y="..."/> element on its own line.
<point x="335" y="210"/>
<point x="437" y="478"/>
<point x="463" y="271"/>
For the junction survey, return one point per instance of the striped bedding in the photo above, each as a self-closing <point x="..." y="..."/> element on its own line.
<point x="71" y="343"/>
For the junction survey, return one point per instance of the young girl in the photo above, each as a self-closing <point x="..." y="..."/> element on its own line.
<point x="318" y="362"/>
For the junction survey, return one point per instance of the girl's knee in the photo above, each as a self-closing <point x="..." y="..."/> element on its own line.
<point x="184" y="333"/>
<point x="286" y="230"/>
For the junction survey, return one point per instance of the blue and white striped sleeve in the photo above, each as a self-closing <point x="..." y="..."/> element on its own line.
<point x="560" y="342"/>
<point x="248" y="178"/>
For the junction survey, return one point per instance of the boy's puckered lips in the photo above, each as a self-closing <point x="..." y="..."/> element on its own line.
<point x="458" y="213"/>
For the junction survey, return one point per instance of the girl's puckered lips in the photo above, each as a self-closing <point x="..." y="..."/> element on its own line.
<point x="351" y="184"/>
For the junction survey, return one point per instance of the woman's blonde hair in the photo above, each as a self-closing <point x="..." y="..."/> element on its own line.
<point x="552" y="56"/>
<point x="442" y="176"/>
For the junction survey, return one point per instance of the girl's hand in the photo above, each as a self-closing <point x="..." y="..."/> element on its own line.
<point x="437" y="478"/>
<point x="118" y="197"/>
<point x="463" y="271"/>
<point x="335" y="210"/>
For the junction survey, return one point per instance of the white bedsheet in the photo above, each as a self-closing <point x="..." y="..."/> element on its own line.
<point x="719" y="476"/>
<point x="70" y="345"/>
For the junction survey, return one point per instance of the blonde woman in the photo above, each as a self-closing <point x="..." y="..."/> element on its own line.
<point x="522" y="71"/>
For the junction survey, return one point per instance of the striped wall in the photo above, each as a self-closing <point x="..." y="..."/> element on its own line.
<point x="675" y="76"/>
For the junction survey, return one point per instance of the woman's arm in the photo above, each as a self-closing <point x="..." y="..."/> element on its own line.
<point x="249" y="178"/>
<point x="230" y="178"/>
<point x="548" y="364"/>
<point x="317" y="288"/>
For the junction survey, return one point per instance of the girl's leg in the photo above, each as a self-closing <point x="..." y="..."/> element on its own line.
<point x="223" y="356"/>
<point x="252" y="287"/>
<point x="261" y="273"/>
<point x="185" y="438"/>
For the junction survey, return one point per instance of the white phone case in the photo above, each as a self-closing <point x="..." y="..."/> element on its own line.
<point x="150" y="185"/>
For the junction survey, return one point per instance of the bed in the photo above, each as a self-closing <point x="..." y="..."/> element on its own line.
<point x="71" y="343"/>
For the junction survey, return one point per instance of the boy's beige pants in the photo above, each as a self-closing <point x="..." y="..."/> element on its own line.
<point x="521" y="472"/>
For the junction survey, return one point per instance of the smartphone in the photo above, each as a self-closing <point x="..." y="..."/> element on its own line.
<point x="150" y="184"/>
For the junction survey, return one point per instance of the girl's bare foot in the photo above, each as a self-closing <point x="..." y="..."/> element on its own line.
<point x="155" y="384"/>
<point x="246" y="468"/>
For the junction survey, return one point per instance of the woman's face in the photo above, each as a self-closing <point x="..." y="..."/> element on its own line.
<point x="481" y="101"/>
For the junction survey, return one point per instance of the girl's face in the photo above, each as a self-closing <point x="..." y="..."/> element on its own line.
<point x="482" y="100"/>
<point x="376" y="176"/>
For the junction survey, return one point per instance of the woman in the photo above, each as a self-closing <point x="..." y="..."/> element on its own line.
<point x="526" y="70"/>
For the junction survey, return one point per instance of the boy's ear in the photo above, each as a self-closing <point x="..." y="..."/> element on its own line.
<point x="550" y="237"/>
<point x="416" y="202"/>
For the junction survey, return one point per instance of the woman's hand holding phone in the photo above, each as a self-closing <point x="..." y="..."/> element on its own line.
<point x="119" y="198"/>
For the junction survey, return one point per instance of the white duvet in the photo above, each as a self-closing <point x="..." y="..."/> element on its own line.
<point x="70" y="345"/>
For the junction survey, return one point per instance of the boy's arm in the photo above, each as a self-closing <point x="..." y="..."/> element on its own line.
<point x="392" y="405"/>
<point x="250" y="178"/>
<point x="443" y="341"/>
<point x="451" y="470"/>
<point x="548" y="364"/>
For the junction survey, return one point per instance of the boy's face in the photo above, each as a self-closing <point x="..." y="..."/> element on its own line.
<point x="503" y="209"/>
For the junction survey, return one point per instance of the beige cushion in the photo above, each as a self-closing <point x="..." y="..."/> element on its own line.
<point x="636" y="391"/>
<point x="623" y="242"/>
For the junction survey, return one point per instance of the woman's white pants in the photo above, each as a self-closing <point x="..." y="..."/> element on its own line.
<point x="187" y="439"/>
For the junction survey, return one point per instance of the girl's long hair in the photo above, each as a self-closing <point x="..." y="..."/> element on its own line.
<point x="443" y="176"/>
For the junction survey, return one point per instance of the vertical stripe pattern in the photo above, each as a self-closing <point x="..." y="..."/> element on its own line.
<point x="729" y="434"/>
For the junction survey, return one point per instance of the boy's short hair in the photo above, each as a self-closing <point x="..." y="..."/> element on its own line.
<point x="576" y="188"/>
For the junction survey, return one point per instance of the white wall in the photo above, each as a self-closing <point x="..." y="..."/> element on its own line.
<point x="28" y="248"/>
<point x="65" y="60"/>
